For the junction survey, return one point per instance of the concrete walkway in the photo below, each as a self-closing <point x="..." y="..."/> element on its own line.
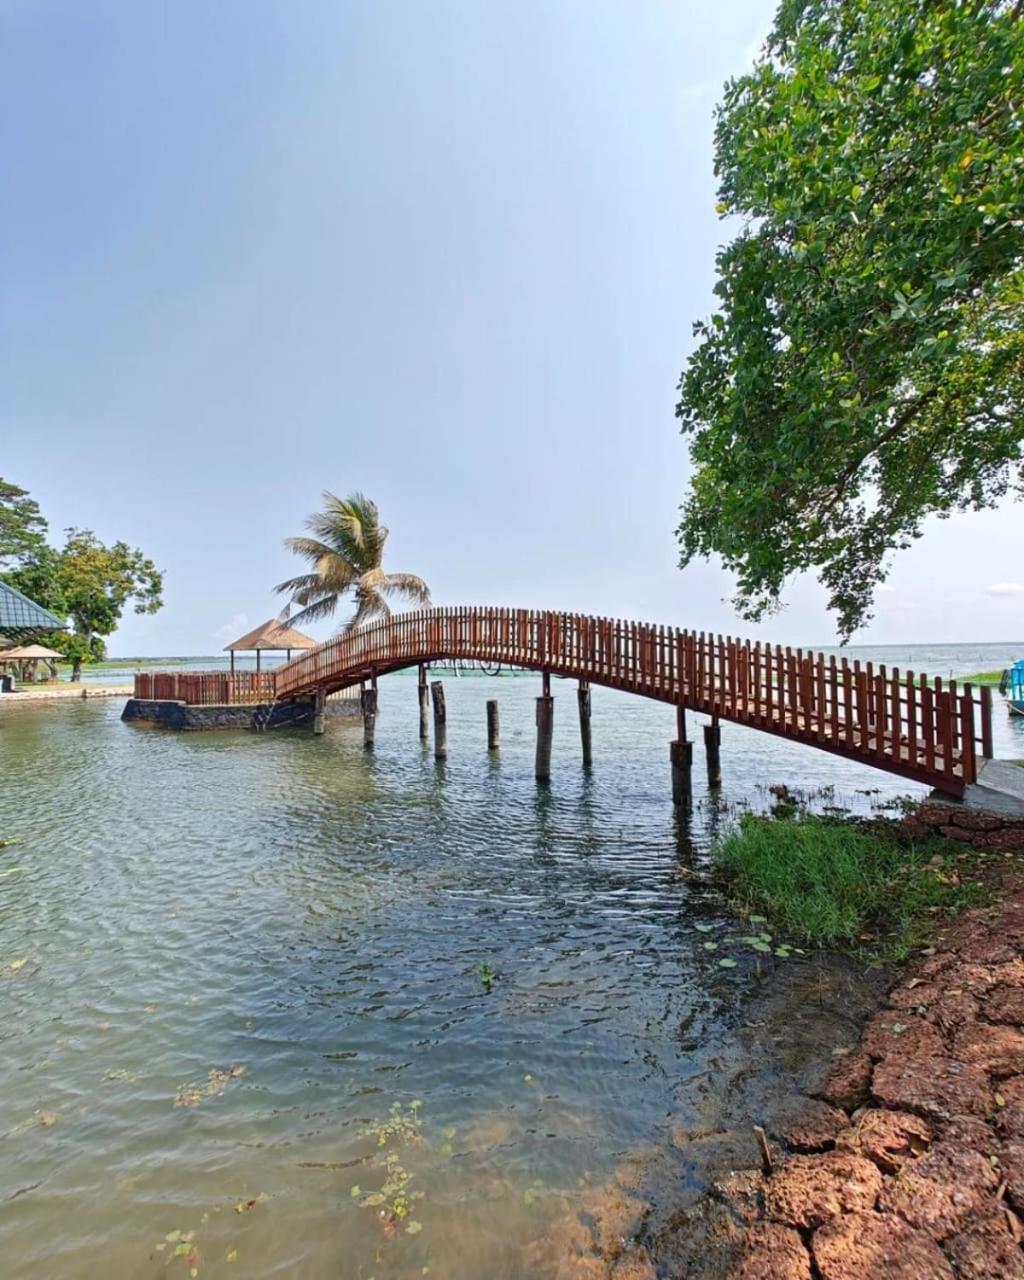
<point x="999" y="789"/>
<point x="51" y="693"/>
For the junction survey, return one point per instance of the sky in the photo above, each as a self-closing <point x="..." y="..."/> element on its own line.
<point x="447" y="253"/>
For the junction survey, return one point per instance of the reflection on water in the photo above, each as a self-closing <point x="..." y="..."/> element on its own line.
<point x="309" y="924"/>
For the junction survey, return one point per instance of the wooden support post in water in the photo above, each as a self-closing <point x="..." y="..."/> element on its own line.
<point x="680" y="754"/>
<point x="368" y="701"/>
<point x="583" y="698"/>
<point x="440" y="721"/>
<point x="424" y="694"/>
<point x="493" y="734"/>
<point x="545" y="725"/>
<point x="319" y="709"/>
<point x="712" y="747"/>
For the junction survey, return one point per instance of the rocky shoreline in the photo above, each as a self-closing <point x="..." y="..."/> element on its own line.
<point x="922" y="1174"/>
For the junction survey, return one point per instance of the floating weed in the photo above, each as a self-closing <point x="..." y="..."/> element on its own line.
<point x="15" y="966"/>
<point x="121" y="1073"/>
<point x="727" y="963"/>
<point x="181" y="1244"/>
<point x="190" y="1095"/>
<point x="247" y="1206"/>
<point x="704" y="928"/>
<point x="394" y="1200"/>
<point x="710" y="946"/>
<point x="487" y="975"/>
<point x="533" y="1192"/>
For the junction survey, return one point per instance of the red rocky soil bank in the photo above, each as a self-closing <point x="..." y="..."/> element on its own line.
<point x="924" y="1178"/>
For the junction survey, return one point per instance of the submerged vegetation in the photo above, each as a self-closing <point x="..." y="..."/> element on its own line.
<point x="831" y="882"/>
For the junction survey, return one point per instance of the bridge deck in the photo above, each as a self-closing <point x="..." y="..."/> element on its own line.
<point x="919" y="727"/>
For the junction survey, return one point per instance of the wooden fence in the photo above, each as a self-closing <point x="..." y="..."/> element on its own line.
<point x="206" y="688"/>
<point x="920" y="727"/>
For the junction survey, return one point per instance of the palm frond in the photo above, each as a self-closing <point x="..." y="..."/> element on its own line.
<point x="302" y="583"/>
<point x="311" y="549"/>
<point x="316" y="610"/>
<point x="370" y="605"/>
<point x="405" y="584"/>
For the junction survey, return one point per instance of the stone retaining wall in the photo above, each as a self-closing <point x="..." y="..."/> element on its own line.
<point x="180" y="715"/>
<point x="981" y="829"/>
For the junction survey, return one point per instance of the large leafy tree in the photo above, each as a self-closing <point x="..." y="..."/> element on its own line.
<point x="85" y="580"/>
<point x="864" y="368"/>
<point x="22" y="526"/>
<point x="345" y="552"/>
<point x="93" y="584"/>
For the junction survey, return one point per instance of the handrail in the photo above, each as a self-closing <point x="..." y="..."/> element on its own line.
<point x="918" y="727"/>
<point x="205" y="688"/>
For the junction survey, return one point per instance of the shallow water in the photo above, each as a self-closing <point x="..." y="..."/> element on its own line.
<point x="317" y="918"/>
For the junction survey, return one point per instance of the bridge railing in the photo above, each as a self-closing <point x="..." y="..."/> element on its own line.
<point x="920" y="726"/>
<point x="206" y="688"/>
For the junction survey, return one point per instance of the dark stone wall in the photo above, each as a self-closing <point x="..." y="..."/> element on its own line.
<point x="979" y="828"/>
<point x="283" y="715"/>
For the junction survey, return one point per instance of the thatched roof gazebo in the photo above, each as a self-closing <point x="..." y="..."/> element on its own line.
<point x="25" y="659"/>
<point x="273" y="636"/>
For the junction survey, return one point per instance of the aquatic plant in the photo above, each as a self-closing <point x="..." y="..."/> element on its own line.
<point x="487" y="975"/>
<point x="833" y="882"/>
<point x="190" y="1095"/>
<point x="393" y="1200"/>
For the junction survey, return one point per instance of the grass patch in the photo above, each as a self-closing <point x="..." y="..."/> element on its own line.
<point x="833" y="883"/>
<point x="981" y="677"/>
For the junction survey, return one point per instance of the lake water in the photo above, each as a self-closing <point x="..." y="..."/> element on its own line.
<point x="316" y="925"/>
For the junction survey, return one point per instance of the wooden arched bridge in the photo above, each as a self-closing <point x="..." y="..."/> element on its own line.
<point x="935" y="732"/>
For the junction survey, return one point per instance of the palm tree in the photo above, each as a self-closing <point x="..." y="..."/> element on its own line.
<point x="345" y="552"/>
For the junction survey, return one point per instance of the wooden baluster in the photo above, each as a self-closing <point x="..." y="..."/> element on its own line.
<point x="824" y="725"/>
<point x="911" y="719"/>
<point x="954" y="739"/>
<point x="895" y="714"/>
<point x="968" y="754"/>
<point x="880" y="712"/>
<point x="987" y="749"/>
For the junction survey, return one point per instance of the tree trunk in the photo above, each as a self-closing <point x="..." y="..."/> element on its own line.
<point x="76" y="669"/>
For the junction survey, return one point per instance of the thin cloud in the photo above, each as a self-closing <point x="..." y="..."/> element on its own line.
<point x="232" y="628"/>
<point x="1005" y="589"/>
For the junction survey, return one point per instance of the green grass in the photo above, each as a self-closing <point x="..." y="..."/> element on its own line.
<point x="981" y="677"/>
<point x="832" y="883"/>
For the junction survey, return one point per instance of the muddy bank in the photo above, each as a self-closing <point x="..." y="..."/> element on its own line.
<point x="682" y="1206"/>
<point x="867" y="1126"/>
<point x="924" y="1178"/>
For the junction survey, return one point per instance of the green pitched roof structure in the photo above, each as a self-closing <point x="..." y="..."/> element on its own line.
<point x="19" y="614"/>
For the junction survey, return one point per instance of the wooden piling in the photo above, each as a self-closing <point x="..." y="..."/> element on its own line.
<point x="319" y="709"/>
<point x="440" y="721"/>
<point x="680" y="756"/>
<point x="712" y="749"/>
<point x="545" y="726"/>
<point x="368" y="702"/>
<point x="424" y="696"/>
<point x="493" y="733"/>
<point x="583" y="699"/>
